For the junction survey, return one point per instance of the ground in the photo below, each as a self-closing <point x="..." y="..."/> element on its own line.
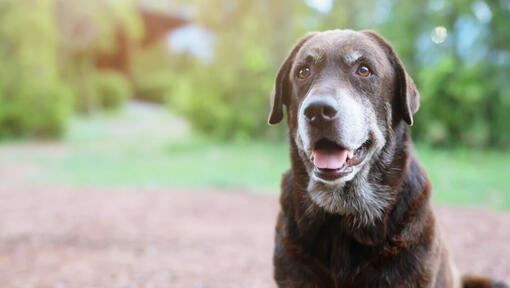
<point x="69" y="237"/>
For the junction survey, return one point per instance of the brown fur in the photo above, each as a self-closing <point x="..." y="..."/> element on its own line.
<point x="403" y="247"/>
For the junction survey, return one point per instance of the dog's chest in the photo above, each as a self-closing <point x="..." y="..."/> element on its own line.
<point x="342" y="254"/>
<point x="353" y="264"/>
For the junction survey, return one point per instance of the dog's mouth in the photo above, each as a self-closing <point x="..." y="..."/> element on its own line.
<point x="333" y="161"/>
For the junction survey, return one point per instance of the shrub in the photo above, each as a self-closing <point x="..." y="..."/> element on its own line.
<point x="231" y="104"/>
<point x="228" y="96"/>
<point x="34" y="102"/>
<point x="460" y="104"/>
<point x="100" y="90"/>
<point x="111" y="89"/>
<point x="154" y="71"/>
<point x="154" y="87"/>
<point x="37" y="110"/>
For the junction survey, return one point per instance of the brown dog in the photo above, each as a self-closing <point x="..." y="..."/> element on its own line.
<point x="355" y="204"/>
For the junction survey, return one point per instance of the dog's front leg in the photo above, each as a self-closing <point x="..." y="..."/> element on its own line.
<point x="294" y="267"/>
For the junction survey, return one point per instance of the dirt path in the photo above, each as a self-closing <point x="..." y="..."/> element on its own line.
<point x="158" y="238"/>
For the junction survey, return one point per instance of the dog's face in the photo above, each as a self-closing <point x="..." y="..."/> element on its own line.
<point x="344" y="91"/>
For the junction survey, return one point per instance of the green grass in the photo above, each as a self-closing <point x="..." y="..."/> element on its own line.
<point x="192" y="162"/>
<point x="460" y="176"/>
<point x="467" y="176"/>
<point x="98" y="152"/>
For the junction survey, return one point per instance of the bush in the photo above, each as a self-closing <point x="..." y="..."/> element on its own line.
<point x="34" y="102"/>
<point x="155" y="70"/>
<point x="230" y="104"/>
<point x="154" y="87"/>
<point x="42" y="46"/>
<point x="111" y="89"/>
<point x="97" y="90"/>
<point x="37" y="110"/>
<point x="460" y="105"/>
<point x="228" y="96"/>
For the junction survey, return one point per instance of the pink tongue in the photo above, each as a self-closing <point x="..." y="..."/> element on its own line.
<point x="330" y="159"/>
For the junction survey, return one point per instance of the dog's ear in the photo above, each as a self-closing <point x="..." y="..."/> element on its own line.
<point x="281" y="90"/>
<point x="407" y="97"/>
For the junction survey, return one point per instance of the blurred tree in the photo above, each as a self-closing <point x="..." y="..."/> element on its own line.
<point x="226" y="96"/>
<point x="88" y="30"/>
<point x="33" y="99"/>
<point x="457" y="51"/>
<point x="47" y="50"/>
<point x="461" y="80"/>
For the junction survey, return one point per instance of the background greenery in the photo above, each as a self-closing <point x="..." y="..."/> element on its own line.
<point x="463" y="81"/>
<point x="52" y="90"/>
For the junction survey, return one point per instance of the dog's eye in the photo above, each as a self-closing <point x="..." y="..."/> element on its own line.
<point x="363" y="71"/>
<point x="304" y="72"/>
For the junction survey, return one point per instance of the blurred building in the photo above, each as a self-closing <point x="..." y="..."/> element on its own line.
<point x="157" y="25"/>
<point x="79" y="28"/>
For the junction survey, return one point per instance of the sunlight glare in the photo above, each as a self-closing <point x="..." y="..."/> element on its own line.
<point x="439" y="34"/>
<point x="323" y="6"/>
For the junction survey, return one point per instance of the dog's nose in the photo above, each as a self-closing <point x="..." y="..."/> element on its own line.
<point x="321" y="110"/>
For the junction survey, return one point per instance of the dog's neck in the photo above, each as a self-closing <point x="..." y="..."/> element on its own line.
<point x="387" y="177"/>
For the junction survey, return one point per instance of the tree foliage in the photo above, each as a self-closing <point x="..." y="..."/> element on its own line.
<point x="463" y="80"/>
<point x="226" y="97"/>
<point x="33" y="99"/>
<point x="44" y="70"/>
<point x="47" y="51"/>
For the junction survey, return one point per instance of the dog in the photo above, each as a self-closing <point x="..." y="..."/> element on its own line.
<point x="355" y="209"/>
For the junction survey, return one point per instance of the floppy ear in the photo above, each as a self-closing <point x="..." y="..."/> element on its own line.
<point x="281" y="90"/>
<point x="407" y="96"/>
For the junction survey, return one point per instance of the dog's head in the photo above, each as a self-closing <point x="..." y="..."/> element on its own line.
<point x="344" y="91"/>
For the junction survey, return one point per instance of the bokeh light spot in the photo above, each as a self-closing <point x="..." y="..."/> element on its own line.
<point x="439" y="34"/>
